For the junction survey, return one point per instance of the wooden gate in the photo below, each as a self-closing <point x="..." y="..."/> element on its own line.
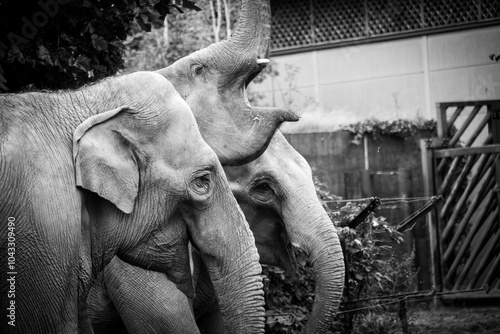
<point x="463" y="165"/>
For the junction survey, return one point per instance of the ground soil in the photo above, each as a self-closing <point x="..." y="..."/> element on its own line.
<point x="455" y="320"/>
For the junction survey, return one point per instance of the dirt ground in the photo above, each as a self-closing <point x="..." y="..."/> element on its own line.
<point x="455" y="320"/>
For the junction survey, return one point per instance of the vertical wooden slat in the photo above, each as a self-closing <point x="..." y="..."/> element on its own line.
<point x="497" y="187"/>
<point x="434" y="236"/>
<point x="494" y="110"/>
<point x="442" y="122"/>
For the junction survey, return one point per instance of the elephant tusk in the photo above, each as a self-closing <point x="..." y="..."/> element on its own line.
<point x="262" y="61"/>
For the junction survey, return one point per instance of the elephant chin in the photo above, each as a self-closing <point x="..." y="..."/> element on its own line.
<point x="166" y="251"/>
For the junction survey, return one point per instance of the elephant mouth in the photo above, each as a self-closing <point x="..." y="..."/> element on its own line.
<point x="278" y="251"/>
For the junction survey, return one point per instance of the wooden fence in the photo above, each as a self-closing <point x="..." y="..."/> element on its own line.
<point x="463" y="165"/>
<point x="458" y="246"/>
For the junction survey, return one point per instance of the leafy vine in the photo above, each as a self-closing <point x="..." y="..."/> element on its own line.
<point x="400" y="128"/>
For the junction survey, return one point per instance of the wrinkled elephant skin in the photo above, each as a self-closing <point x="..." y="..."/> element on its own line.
<point x="277" y="194"/>
<point x="110" y="170"/>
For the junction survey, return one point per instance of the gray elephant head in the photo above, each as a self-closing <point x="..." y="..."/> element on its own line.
<point x="181" y="194"/>
<point x="146" y="183"/>
<point x="213" y="82"/>
<point x="277" y="194"/>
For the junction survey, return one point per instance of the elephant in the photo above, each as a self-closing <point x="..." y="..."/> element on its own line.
<point x="113" y="171"/>
<point x="277" y="195"/>
<point x="213" y="82"/>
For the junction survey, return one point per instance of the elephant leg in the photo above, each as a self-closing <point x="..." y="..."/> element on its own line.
<point x="147" y="301"/>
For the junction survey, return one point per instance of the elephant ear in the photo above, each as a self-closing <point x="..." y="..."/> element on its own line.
<point x="104" y="161"/>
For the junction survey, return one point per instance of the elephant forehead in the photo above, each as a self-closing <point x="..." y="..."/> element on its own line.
<point x="149" y="82"/>
<point x="189" y="149"/>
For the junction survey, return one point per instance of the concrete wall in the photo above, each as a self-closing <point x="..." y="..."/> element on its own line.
<point x="388" y="80"/>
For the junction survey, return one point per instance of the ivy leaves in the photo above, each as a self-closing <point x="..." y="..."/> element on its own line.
<point x="400" y="128"/>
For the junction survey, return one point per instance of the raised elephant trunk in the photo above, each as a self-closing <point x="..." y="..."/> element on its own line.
<point x="213" y="82"/>
<point x="248" y="47"/>
<point x="254" y="27"/>
<point x="319" y="239"/>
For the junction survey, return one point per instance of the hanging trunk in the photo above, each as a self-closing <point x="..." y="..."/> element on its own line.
<point x="230" y="256"/>
<point x="319" y="239"/>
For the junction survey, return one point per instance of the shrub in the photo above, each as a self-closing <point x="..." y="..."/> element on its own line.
<point x="371" y="270"/>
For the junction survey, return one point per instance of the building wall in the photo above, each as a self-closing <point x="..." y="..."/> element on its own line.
<point x="401" y="78"/>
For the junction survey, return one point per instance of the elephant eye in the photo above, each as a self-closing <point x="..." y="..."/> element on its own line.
<point x="198" y="69"/>
<point x="262" y="191"/>
<point x="201" y="183"/>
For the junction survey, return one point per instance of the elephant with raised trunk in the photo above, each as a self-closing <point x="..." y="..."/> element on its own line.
<point x="277" y="194"/>
<point x="117" y="168"/>
<point x="213" y="82"/>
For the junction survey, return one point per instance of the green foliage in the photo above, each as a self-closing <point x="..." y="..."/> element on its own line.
<point x="66" y="43"/>
<point x="372" y="270"/>
<point x="400" y="128"/>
